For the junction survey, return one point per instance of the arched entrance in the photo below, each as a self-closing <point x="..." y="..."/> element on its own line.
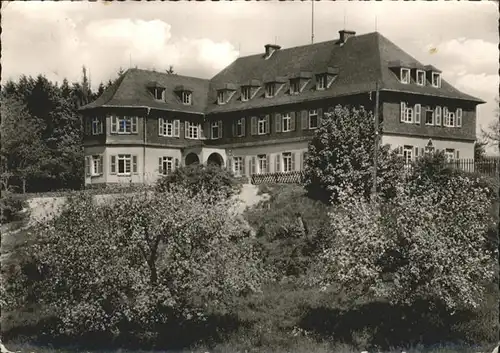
<point x="192" y="158"/>
<point x="215" y="159"/>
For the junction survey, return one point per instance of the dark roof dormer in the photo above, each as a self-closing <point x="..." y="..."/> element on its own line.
<point x="433" y="75"/>
<point x="402" y="70"/>
<point x="324" y="79"/>
<point x="157" y="90"/>
<point x="225" y="92"/>
<point x="270" y="49"/>
<point x="249" y="89"/>
<point x="273" y="85"/>
<point x="185" y="94"/>
<point x="299" y="80"/>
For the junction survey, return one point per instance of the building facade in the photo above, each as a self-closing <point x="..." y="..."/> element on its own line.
<point x="259" y="113"/>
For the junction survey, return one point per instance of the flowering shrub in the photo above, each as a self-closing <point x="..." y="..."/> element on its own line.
<point x="342" y="151"/>
<point x="427" y="243"/>
<point x="140" y="262"/>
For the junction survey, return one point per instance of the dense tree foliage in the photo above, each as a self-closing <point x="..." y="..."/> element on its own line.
<point x="342" y="151"/>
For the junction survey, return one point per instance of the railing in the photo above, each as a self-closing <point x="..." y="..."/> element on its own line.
<point x="488" y="167"/>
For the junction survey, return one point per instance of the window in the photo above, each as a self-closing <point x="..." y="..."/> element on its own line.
<point x="166" y="165"/>
<point x="262" y="163"/>
<point x="240" y="127"/>
<point x="269" y="90"/>
<point x="186" y="97"/>
<point x="245" y="93"/>
<point x="123" y="164"/>
<point x="438" y="116"/>
<point x="287" y="162"/>
<point x="321" y="82"/>
<point x="158" y="93"/>
<point x="420" y="77"/>
<point x="220" y="97"/>
<point x="459" y="117"/>
<point x="124" y="124"/>
<point x="313" y="119"/>
<point x="407" y="154"/>
<point x="429" y="149"/>
<point x="216" y="128"/>
<point x="166" y="127"/>
<point x="238" y="166"/>
<point x="97" y="127"/>
<point x="192" y="130"/>
<point x="406" y="113"/>
<point x="93" y="165"/>
<point x="449" y="119"/>
<point x="262" y="125"/>
<point x="429" y="116"/>
<point x="436" y="79"/>
<point x="287" y="122"/>
<point x="295" y="86"/>
<point x="405" y="75"/>
<point x="449" y="154"/>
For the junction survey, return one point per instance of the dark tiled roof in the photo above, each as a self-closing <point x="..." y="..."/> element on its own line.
<point x="131" y="89"/>
<point x="361" y="61"/>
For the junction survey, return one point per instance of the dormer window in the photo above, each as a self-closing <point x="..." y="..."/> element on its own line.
<point x="320" y="82"/>
<point x="186" y="97"/>
<point x="295" y="86"/>
<point x="220" y="97"/>
<point x="270" y="89"/>
<point x="246" y="93"/>
<point x="158" y="93"/>
<point x="436" y="79"/>
<point x="420" y="77"/>
<point x="405" y="75"/>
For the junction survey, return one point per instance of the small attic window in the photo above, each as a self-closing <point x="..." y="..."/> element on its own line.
<point x="220" y="97"/>
<point x="186" y="97"/>
<point x="405" y="75"/>
<point x="246" y="93"/>
<point x="436" y="79"/>
<point x="270" y="90"/>
<point x="420" y="77"/>
<point x="295" y="86"/>
<point x="158" y="93"/>
<point x="321" y="82"/>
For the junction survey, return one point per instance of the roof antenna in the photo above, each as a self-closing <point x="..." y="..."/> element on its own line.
<point x="312" y="22"/>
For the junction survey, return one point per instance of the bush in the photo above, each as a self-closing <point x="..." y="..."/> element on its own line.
<point x="12" y="207"/>
<point x="212" y="179"/>
<point x="139" y="266"/>
<point x="342" y="150"/>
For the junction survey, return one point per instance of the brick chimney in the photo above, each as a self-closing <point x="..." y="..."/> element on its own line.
<point x="270" y="49"/>
<point x="345" y="35"/>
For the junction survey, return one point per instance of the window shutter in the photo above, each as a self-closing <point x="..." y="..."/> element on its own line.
<point x="252" y="165"/>
<point x="87" y="165"/>
<point x="416" y="149"/>
<point x="268" y="122"/>
<point x="206" y="130"/>
<point x="459" y="117"/>
<point x="254" y="125"/>
<point x="268" y="163"/>
<point x="160" y="165"/>
<point x="160" y="126"/>
<point x="134" y="120"/>
<point x="277" y="116"/>
<point x="400" y="150"/>
<point x="101" y="125"/>
<point x="134" y="164"/>
<point x="422" y="151"/>
<point x="293" y="161"/>
<point x="177" y="163"/>
<point x="304" y="120"/>
<point x="114" y="124"/>
<point x="320" y="116"/>
<point x="243" y="123"/>
<point x="220" y="129"/>
<point x="230" y="164"/>
<point x="418" y="109"/>
<point x="301" y="156"/>
<point x="177" y="126"/>
<point x="445" y="117"/>
<point x="438" y="116"/>
<point x="457" y="154"/>
<point x="101" y="164"/>
<point x="113" y="165"/>
<point x="235" y="128"/>
<point x="292" y="121"/>
<point x="403" y="111"/>
<point x="186" y="129"/>
<point x="278" y="164"/>
<point x="243" y="165"/>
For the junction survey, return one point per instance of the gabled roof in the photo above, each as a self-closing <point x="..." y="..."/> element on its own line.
<point x="131" y="90"/>
<point x="361" y="61"/>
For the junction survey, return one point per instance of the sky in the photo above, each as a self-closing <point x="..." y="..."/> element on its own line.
<point x="201" y="38"/>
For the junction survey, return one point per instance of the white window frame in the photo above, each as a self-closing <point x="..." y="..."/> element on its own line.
<point x="294" y="86"/>
<point x="270" y="90"/>
<point x="186" y="97"/>
<point x="95" y="165"/>
<point x="450" y="119"/>
<point x="432" y="115"/>
<point x="287" y="164"/>
<point x="262" y="161"/>
<point x="404" y="78"/>
<point x="420" y="76"/>
<point x="408" y="154"/>
<point x="220" y="97"/>
<point x="238" y="166"/>
<point x="166" y="127"/>
<point x="321" y="82"/>
<point x="438" y="116"/>
<point x="436" y="75"/>
<point x="262" y="125"/>
<point x="246" y="93"/>
<point x="167" y="162"/>
<point x="97" y="126"/>
<point x="161" y="94"/>
<point x="407" y="114"/>
<point x="192" y="131"/>
<point x="286" y="121"/>
<point x="313" y="113"/>
<point x="216" y="126"/>
<point x="125" y="158"/>
<point x="130" y="124"/>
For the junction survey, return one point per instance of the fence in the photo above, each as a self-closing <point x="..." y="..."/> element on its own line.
<point x="488" y="167"/>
